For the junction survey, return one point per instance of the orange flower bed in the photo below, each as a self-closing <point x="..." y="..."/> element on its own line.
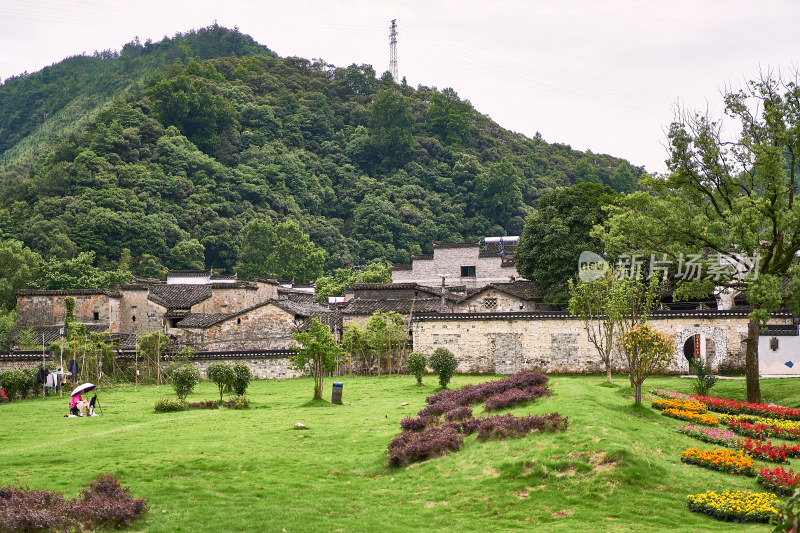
<point x="724" y="460"/>
<point x="677" y="403"/>
<point x="705" y="419"/>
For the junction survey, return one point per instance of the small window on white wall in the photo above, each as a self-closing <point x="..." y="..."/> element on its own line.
<point x="773" y="344"/>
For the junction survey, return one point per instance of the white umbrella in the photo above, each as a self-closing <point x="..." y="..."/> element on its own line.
<point x="83" y="388"/>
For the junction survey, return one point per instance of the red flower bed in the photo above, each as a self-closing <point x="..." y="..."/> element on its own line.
<point x="779" y="480"/>
<point x="760" y="431"/>
<point x="733" y="407"/>
<point x="766" y="451"/>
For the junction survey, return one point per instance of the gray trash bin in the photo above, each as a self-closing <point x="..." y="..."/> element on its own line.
<point x="336" y="397"/>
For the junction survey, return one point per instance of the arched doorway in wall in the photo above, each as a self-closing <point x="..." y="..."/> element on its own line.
<point x="699" y="346"/>
<point x="709" y="343"/>
<point x="689" y="350"/>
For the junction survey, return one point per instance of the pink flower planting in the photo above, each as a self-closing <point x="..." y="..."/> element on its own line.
<point x="715" y="436"/>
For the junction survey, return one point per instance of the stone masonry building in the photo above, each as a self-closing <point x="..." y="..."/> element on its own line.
<point x="460" y="263"/>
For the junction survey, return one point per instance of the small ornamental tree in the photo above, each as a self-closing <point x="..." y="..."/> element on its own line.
<point x="184" y="378"/>
<point x="222" y="375"/>
<point x="705" y="377"/>
<point x="416" y="364"/>
<point x="444" y="363"/>
<point x="241" y="378"/>
<point x="647" y="351"/>
<point x="319" y="353"/>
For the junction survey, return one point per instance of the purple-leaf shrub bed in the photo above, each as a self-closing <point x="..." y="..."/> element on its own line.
<point x="105" y="503"/>
<point x="427" y="436"/>
<point x="458" y="413"/>
<point x="510" y="426"/>
<point x="419" y="423"/>
<point x="412" y="446"/>
<point x="207" y="404"/>
<point x="512" y="397"/>
<point x="471" y="394"/>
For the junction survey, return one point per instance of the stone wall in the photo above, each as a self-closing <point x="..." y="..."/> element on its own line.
<point x="264" y="328"/>
<point x="47" y="308"/>
<point x="262" y="366"/>
<point x="448" y="260"/>
<point x="228" y="299"/>
<point x="505" y="343"/>
<point x="25" y="360"/>
<point x="139" y="315"/>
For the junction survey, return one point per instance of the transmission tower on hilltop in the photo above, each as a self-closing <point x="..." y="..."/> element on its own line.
<point x="393" y="50"/>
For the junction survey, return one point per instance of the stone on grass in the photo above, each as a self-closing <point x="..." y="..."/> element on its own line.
<point x="300" y="425"/>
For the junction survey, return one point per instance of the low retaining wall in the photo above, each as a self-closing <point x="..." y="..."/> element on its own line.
<point x="264" y="364"/>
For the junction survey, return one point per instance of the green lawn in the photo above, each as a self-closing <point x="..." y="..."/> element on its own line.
<point x="617" y="467"/>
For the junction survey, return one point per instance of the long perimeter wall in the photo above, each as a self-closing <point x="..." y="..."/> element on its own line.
<point x="505" y="343"/>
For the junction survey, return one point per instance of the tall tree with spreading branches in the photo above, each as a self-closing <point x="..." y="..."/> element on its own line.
<point x="728" y="197"/>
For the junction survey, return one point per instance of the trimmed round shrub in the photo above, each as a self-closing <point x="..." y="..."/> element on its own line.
<point x="14" y="381"/>
<point x="241" y="378"/>
<point x="184" y="378"/>
<point x="444" y="363"/>
<point x="167" y="405"/>
<point x="416" y="363"/>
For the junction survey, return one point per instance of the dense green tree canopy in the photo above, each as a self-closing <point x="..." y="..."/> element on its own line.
<point x="556" y="233"/>
<point x="19" y="267"/>
<point x="278" y="252"/>
<point x="170" y="149"/>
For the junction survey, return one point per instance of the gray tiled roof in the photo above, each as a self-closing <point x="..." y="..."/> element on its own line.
<point x="524" y="290"/>
<point x="298" y="309"/>
<point x="179" y="296"/>
<point x="456" y="245"/>
<point x="70" y="292"/>
<point x="403" y="306"/>
<point x="51" y="333"/>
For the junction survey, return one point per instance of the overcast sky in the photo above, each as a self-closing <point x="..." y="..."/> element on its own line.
<point x="599" y="75"/>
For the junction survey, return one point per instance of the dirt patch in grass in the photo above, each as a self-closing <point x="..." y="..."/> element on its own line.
<point x="566" y="470"/>
<point x="430" y="505"/>
<point x="562" y="514"/>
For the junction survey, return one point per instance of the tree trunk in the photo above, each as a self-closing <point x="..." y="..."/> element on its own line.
<point x="751" y="362"/>
<point x="608" y="373"/>
<point x="317" y="380"/>
<point x="638" y="397"/>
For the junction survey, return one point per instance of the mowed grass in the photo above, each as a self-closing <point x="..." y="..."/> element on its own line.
<point x="617" y="467"/>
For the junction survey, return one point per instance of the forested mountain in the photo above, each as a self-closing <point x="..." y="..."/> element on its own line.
<point x="162" y="154"/>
